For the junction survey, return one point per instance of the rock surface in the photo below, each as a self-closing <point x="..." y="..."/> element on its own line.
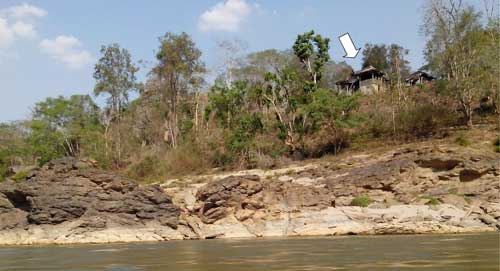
<point x="435" y="189"/>
<point x="69" y="200"/>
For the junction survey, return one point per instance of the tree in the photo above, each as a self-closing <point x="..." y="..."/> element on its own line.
<point x="178" y="72"/>
<point x="398" y="65"/>
<point x="375" y="55"/>
<point x="230" y="54"/>
<point x="334" y="72"/>
<point x="454" y="50"/>
<point x="312" y="51"/>
<point x="233" y="107"/>
<point x="64" y="127"/>
<point x="14" y="150"/>
<point x="115" y="76"/>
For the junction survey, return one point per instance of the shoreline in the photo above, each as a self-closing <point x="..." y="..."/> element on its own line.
<point x="44" y="244"/>
<point x="426" y="222"/>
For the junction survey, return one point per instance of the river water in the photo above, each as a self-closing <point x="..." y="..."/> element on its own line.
<point x="395" y="252"/>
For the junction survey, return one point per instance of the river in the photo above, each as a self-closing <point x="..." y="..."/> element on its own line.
<point x="394" y="252"/>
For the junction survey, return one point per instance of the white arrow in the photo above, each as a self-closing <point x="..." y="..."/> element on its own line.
<point x="349" y="48"/>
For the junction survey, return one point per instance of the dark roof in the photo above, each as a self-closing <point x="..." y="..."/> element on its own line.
<point x="350" y="80"/>
<point x="416" y="75"/>
<point x="368" y="70"/>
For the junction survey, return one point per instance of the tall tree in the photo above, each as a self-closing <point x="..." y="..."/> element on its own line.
<point x="178" y="72"/>
<point x="375" y="55"/>
<point x="398" y="65"/>
<point x="115" y="76"/>
<point x="454" y="49"/>
<point x="312" y="51"/>
<point x="230" y="53"/>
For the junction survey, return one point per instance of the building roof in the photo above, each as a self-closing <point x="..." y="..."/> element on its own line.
<point x="350" y="80"/>
<point x="416" y="75"/>
<point x="368" y="70"/>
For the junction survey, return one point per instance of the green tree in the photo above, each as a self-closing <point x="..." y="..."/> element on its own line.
<point x="375" y="55"/>
<point x="456" y="49"/>
<point x="64" y="127"/>
<point x="14" y="150"/>
<point x="115" y="76"/>
<point x="312" y="51"/>
<point x="178" y="72"/>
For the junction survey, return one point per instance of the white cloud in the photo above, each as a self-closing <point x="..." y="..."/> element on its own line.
<point x="17" y="22"/>
<point x="25" y="11"/>
<point x="24" y="30"/>
<point x="67" y="49"/>
<point x="6" y="34"/>
<point x="227" y="16"/>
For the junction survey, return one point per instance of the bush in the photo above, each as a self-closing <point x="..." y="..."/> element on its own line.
<point x="431" y="201"/>
<point x="424" y="120"/>
<point x="462" y="140"/>
<point x="361" y="201"/>
<point x="21" y="175"/>
<point x="147" y="170"/>
<point x="496" y="144"/>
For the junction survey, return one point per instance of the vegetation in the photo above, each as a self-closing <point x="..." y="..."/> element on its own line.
<point x="361" y="201"/>
<point x="431" y="201"/>
<point x="264" y="108"/>
<point x="496" y="144"/>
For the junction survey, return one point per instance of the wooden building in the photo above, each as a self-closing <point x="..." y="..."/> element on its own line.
<point x="367" y="81"/>
<point x="419" y="77"/>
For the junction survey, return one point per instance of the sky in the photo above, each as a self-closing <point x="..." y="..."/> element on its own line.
<point x="48" y="47"/>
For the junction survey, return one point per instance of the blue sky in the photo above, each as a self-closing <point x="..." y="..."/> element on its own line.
<point x="48" y="47"/>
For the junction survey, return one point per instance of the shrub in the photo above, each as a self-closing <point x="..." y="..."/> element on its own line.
<point x="424" y="120"/>
<point x="431" y="201"/>
<point x="496" y="144"/>
<point x="21" y="175"/>
<point x="147" y="169"/>
<point x="361" y="201"/>
<point x="462" y="140"/>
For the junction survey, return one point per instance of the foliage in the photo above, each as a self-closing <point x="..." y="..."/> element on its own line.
<point x="14" y="150"/>
<point x="361" y="201"/>
<point x="496" y="144"/>
<point x="431" y="201"/>
<point x="20" y="175"/>
<point x="462" y="140"/>
<point x="178" y="73"/>
<point x="115" y="76"/>
<point x="64" y="127"/>
<point x="461" y="50"/>
<point x="375" y="55"/>
<point x="312" y="51"/>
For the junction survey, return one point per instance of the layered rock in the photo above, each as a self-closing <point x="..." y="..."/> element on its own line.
<point x="69" y="199"/>
<point x="425" y="190"/>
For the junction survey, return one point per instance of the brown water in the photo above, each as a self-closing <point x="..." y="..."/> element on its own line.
<point x="410" y="252"/>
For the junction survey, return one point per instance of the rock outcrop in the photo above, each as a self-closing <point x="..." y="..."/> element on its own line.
<point x="75" y="198"/>
<point x="426" y="190"/>
<point x="431" y="189"/>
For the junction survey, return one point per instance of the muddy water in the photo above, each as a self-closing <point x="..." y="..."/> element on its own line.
<point x="409" y="252"/>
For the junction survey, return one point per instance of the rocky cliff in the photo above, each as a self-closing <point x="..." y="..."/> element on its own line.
<point x="433" y="189"/>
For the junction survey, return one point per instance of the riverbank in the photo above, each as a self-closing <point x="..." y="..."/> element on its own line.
<point x="422" y="188"/>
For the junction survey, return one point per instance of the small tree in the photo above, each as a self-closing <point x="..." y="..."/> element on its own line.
<point x="115" y="76"/>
